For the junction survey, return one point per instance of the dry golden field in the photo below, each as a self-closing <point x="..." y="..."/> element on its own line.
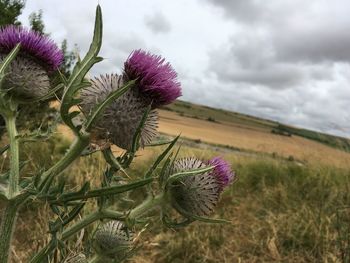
<point x="250" y="138"/>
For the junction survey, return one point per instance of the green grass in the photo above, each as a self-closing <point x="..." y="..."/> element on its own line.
<point x="280" y="212"/>
<point x="333" y="141"/>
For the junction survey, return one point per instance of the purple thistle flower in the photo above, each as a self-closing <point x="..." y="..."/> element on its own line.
<point x="120" y="120"/>
<point x="199" y="194"/>
<point x="113" y="239"/>
<point x="27" y="76"/>
<point x="156" y="79"/>
<point x="33" y="44"/>
<point x="222" y="170"/>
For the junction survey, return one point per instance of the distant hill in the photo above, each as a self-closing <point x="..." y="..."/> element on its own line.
<point x="228" y="117"/>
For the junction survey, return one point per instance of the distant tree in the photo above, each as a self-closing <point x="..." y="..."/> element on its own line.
<point x="36" y="22"/>
<point x="10" y="11"/>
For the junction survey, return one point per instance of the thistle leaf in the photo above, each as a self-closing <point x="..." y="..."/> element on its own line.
<point x="112" y="161"/>
<point x="201" y="218"/>
<point x="105" y="191"/>
<point x="163" y="173"/>
<point x="178" y="176"/>
<point x="4" y="149"/>
<point x="161" y="157"/>
<point x="7" y="61"/>
<point x="159" y="143"/>
<point x="137" y="135"/>
<point x="80" y="70"/>
<point x="129" y="155"/>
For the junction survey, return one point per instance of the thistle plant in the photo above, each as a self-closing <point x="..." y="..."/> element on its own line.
<point x="114" y="110"/>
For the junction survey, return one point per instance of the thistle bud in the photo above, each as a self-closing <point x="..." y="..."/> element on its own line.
<point x="199" y="194"/>
<point x="113" y="240"/>
<point x="27" y="76"/>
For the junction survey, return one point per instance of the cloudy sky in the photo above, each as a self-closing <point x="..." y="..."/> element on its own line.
<point x="286" y="60"/>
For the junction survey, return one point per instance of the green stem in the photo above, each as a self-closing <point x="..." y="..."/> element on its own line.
<point x="9" y="216"/>
<point x="8" y="222"/>
<point x="150" y="203"/>
<point x="81" y="224"/>
<point x="74" y="151"/>
<point x="14" y="155"/>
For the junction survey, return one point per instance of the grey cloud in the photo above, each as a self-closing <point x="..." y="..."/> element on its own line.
<point x="311" y="32"/>
<point x="258" y="12"/>
<point x="158" y="23"/>
<point x="253" y="64"/>
<point x="242" y="10"/>
<point x="314" y="45"/>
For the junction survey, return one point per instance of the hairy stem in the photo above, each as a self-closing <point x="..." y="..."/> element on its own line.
<point x="9" y="215"/>
<point x="148" y="205"/>
<point x="8" y="222"/>
<point x="14" y="154"/>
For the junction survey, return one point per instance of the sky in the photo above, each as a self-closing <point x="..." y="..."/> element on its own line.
<point x="285" y="60"/>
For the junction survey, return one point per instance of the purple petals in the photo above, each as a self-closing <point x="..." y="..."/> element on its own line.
<point x="222" y="170"/>
<point x="156" y="78"/>
<point x="32" y="43"/>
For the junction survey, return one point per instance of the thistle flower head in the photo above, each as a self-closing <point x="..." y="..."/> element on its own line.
<point x="33" y="44"/>
<point x="199" y="194"/>
<point x="27" y="76"/>
<point x="113" y="239"/>
<point x="156" y="79"/>
<point x="120" y="120"/>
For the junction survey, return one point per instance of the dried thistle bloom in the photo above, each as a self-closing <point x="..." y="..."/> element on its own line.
<point x="76" y="258"/>
<point x="120" y="120"/>
<point x="199" y="194"/>
<point x="156" y="79"/>
<point x="28" y="73"/>
<point x="113" y="239"/>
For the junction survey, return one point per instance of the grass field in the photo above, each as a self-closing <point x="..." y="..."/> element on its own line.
<point x="290" y="204"/>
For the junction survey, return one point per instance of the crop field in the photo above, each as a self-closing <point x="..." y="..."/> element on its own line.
<point x="290" y="203"/>
<point x="250" y="138"/>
